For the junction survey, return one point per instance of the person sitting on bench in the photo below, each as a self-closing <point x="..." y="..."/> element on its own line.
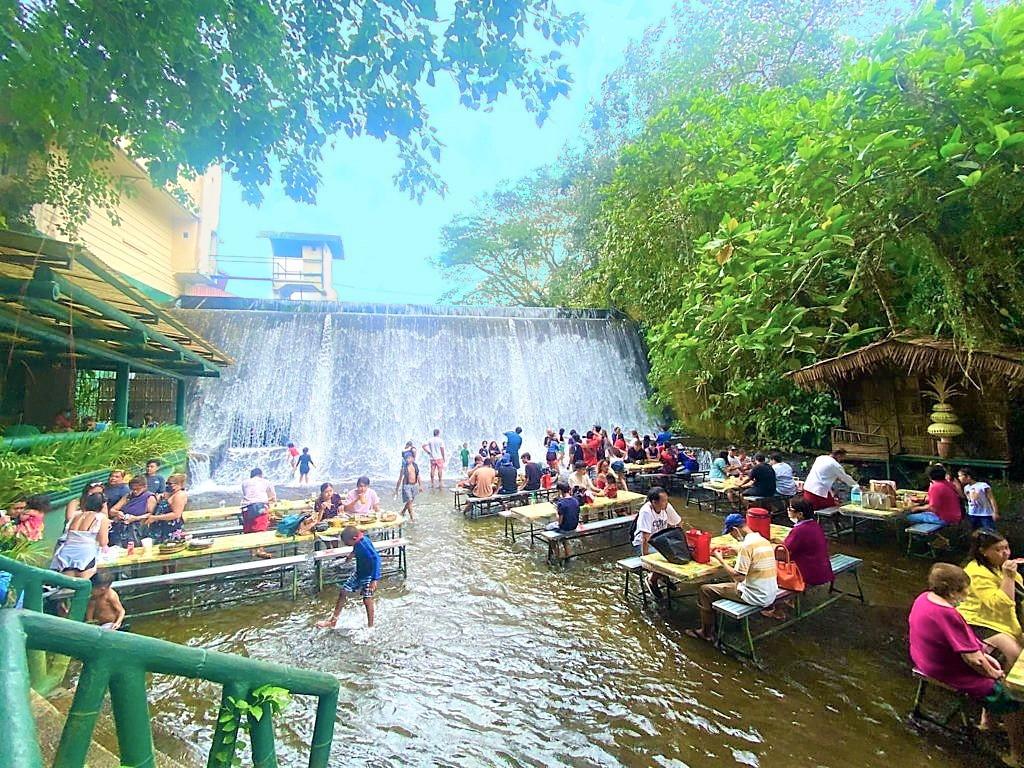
<point x="943" y="647"/>
<point x="760" y="481"/>
<point x="481" y="483"/>
<point x="754" y="577"/>
<point x="568" y="510"/>
<point x="943" y="503"/>
<point x="807" y="545"/>
<point x="655" y="515"/>
<point x="532" y="472"/>
<point x="509" y="476"/>
<point x="990" y="607"/>
<point x="580" y="478"/>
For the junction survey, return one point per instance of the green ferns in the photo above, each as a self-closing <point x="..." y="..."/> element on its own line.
<point x="48" y="466"/>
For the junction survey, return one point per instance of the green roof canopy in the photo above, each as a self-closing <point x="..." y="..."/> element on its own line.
<point x="58" y="301"/>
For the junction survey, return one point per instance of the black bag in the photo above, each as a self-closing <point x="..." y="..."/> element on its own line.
<point x="671" y="544"/>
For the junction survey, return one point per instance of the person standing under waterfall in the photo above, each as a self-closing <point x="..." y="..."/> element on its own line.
<point x="438" y="457"/>
<point x="513" y="442"/>
<point x="304" y="462"/>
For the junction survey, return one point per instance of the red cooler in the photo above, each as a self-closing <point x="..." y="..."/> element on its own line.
<point x="760" y="520"/>
<point x="699" y="543"/>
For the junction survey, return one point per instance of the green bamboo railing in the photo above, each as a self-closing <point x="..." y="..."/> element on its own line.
<point x="118" y="663"/>
<point x="46" y="672"/>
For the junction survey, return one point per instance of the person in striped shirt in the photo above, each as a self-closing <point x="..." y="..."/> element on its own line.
<point x="753" y="576"/>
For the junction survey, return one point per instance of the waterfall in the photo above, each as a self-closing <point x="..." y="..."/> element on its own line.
<point x="353" y="383"/>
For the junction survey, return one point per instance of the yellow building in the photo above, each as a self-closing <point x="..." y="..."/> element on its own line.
<point x="100" y="304"/>
<point x="160" y="244"/>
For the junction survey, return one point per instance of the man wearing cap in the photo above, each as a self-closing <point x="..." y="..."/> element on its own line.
<point x="753" y="576"/>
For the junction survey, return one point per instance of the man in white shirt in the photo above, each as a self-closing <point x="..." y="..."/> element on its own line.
<point x="654" y="516"/>
<point x="824" y="472"/>
<point x="438" y="458"/>
<point x="784" y="483"/>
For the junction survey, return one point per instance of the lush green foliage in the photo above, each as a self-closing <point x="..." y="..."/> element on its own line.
<point x="252" y="84"/>
<point x="47" y="466"/>
<point x="265" y="701"/>
<point x="526" y="242"/>
<point x="758" y="230"/>
<point x="760" y="223"/>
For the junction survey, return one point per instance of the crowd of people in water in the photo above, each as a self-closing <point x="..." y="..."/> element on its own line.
<point x="964" y="631"/>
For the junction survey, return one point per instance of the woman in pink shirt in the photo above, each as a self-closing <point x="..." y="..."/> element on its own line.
<point x="944" y="648"/>
<point x="27" y="517"/>
<point x="943" y="505"/>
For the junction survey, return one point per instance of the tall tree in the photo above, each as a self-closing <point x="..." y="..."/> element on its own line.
<point x="510" y="250"/>
<point x="251" y="84"/>
<point x="755" y="230"/>
<point x="704" y="44"/>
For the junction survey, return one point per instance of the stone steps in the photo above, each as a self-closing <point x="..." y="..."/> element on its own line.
<point x="50" y="715"/>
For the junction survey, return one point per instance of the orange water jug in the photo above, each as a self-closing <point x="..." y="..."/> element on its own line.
<point x="699" y="543"/>
<point x="760" y="521"/>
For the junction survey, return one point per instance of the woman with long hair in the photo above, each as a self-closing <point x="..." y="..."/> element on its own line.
<point x="992" y="605"/>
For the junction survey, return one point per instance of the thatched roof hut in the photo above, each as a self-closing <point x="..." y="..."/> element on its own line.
<point x="920" y="356"/>
<point x="884" y="388"/>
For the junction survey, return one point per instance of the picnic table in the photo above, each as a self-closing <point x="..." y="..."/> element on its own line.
<point x="231" y="511"/>
<point x="719" y="492"/>
<point x="482" y="506"/>
<point x="1014" y="681"/>
<point x="643" y="467"/>
<point x="243" y="542"/>
<point x="693" y="572"/>
<point x="859" y="514"/>
<point x="532" y="514"/>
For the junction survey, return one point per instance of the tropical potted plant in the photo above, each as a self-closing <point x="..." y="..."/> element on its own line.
<point x="944" y="425"/>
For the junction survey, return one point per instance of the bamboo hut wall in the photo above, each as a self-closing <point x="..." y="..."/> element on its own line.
<point x="894" y="405"/>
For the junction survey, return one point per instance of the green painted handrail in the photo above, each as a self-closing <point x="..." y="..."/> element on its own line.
<point x="46" y="673"/>
<point x="119" y="662"/>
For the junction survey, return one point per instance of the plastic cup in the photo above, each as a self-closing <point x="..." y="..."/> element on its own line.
<point x="147" y="545"/>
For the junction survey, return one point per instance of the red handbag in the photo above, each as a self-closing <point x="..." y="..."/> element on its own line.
<point x="787" y="572"/>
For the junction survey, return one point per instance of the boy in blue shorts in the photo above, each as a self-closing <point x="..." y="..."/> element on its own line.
<point x="363" y="580"/>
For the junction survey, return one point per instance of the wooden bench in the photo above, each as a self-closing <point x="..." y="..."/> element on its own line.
<point x="633" y="566"/>
<point x="222" y="574"/>
<point x="960" y="702"/>
<point x="508" y="517"/>
<point x="923" y="534"/>
<point x="207" y="533"/>
<point x="554" y="538"/>
<point x="742" y="612"/>
<point x="323" y="556"/>
<point x="833" y="517"/>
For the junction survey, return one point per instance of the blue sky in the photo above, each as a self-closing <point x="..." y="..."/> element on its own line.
<point x="388" y="238"/>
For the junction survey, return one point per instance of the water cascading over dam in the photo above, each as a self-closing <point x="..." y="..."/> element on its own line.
<point x="354" y="382"/>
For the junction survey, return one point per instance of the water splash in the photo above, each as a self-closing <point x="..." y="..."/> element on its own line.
<point x="353" y="386"/>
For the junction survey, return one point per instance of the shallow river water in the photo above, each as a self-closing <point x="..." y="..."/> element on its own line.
<point x="486" y="656"/>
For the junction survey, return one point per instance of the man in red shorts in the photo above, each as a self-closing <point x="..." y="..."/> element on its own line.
<point x="824" y="472"/>
<point x="257" y="494"/>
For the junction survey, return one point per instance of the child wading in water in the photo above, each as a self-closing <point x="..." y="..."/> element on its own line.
<point x="464" y="455"/>
<point x="363" y="580"/>
<point x="410" y="483"/>
<point x="105" y="606"/>
<point x="304" y="462"/>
